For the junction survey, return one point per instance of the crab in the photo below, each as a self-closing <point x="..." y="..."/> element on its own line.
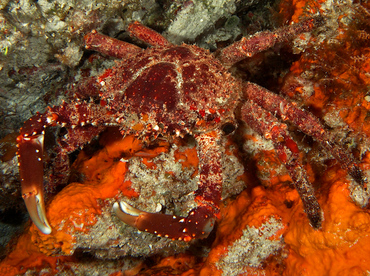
<point x="171" y="90"/>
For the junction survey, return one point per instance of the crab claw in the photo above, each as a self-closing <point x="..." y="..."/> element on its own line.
<point x="197" y="225"/>
<point x="31" y="170"/>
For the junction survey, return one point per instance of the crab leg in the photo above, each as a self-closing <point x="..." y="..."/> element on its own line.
<point x="306" y="122"/>
<point x="200" y="221"/>
<point x="287" y="150"/>
<point x="109" y="46"/>
<point x="248" y="47"/>
<point x="120" y="49"/>
<point x="138" y="30"/>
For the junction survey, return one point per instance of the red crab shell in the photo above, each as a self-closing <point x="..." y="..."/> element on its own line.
<point x="170" y="90"/>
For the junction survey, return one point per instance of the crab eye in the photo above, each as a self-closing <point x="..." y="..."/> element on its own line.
<point x="228" y="128"/>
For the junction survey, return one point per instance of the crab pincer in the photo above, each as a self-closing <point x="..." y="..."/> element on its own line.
<point x="197" y="225"/>
<point x="200" y="220"/>
<point x="31" y="170"/>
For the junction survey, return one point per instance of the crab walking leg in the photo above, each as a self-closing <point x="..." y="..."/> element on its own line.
<point x="247" y="47"/>
<point x="145" y="34"/>
<point x="287" y="150"/>
<point x="30" y="152"/>
<point x="200" y="221"/>
<point x="307" y="123"/>
<point x="109" y="46"/>
<point x="120" y="49"/>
